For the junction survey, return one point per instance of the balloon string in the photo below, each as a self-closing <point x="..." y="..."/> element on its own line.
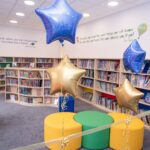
<point x="80" y="134"/>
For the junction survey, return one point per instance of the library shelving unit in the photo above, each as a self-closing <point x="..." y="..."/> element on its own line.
<point x="44" y="62"/>
<point x="29" y="87"/>
<point x="86" y="83"/>
<point x="23" y="62"/>
<point x="2" y="81"/>
<point x="102" y="75"/>
<point x="95" y="87"/>
<point x="6" y="62"/>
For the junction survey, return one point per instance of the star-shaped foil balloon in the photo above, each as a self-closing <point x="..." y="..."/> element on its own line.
<point x="64" y="77"/>
<point x="133" y="57"/>
<point x="60" y="21"/>
<point x="128" y="96"/>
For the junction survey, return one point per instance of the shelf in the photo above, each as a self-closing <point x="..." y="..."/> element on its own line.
<point x="143" y="74"/>
<point x="142" y="102"/>
<point x="86" y="68"/>
<point x="11" y="84"/>
<point x="107" y="70"/>
<point x="98" y="106"/>
<point x="11" y="77"/>
<point x="102" y="91"/>
<point x="51" y="96"/>
<point x="24" y="86"/>
<point x="88" y="77"/>
<point x="106" y="81"/>
<point x="30" y="78"/>
<point x="141" y="88"/>
<point x="2" y="85"/>
<point x="2" y="79"/>
<point x="12" y="93"/>
<point x="85" y="86"/>
<point x="44" y="62"/>
<point x="25" y="95"/>
<point x="31" y="104"/>
<point x="2" y="74"/>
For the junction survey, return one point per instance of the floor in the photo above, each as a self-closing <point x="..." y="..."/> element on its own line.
<point x="22" y="125"/>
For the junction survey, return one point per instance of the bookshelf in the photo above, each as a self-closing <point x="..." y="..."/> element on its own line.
<point x="29" y="86"/>
<point x="95" y="87"/>
<point x="2" y="81"/>
<point x="102" y="75"/>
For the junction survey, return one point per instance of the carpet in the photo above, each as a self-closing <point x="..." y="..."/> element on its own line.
<point x="22" y="125"/>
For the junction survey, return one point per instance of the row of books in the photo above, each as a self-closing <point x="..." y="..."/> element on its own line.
<point x="2" y="83"/>
<point x="23" y="65"/>
<point x="30" y="91"/>
<point x="112" y="65"/>
<point x="87" y="82"/>
<point x="12" y="89"/>
<point x="86" y="64"/>
<point x="31" y="74"/>
<point x="45" y="65"/>
<point x="2" y="71"/>
<point x="89" y="73"/>
<point x="74" y="61"/>
<point x="51" y="100"/>
<point x="5" y="59"/>
<point x="108" y="87"/>
<point x="11" y="97"/>
<point x="111" y="104"/>
<point x="109" y="76"/>
<point x="141" y="81"/>
<point x="31" y="100"/>
<point x="145" y="119"/>
<point x="47" y="83"/>
<point x="2" y="77"/>
<point x="87" y="95"/>
<point x="2" y="89"/>
<point x="44" y="60"/>
<point x="11" y="81"/>
<point x="32" y="83"/>
<point x="10" y="73"/>
<point x="24" y="60"/>
<point x="46" y="92"/>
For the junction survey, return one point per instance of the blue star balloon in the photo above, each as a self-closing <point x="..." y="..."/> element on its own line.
<point x="60" y="21"/>
<point x="133" y="57"/>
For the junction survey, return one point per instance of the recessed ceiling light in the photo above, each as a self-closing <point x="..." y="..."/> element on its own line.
<point x="29" y="2"/>
<point x="13" y="21"/>
<point x="113" y="3"/>
<point x="20" y="14"/>
<point x="86" y="15"/>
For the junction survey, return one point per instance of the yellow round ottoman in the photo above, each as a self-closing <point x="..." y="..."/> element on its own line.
<point x="62" y="124"/>
<point x="123" y="137"/>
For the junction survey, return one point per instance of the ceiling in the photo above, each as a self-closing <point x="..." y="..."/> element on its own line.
<point x="96" y="8"/>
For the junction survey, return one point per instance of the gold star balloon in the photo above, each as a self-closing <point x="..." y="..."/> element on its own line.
<point x="64" y="77"/>
<point x="128" y="96"/>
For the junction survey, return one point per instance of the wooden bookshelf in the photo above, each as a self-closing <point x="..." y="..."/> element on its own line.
<point x="2" y="81"/>
<point x="108" y="74"/>
<point x="95" y="87"/>
<point x="31" y="86"/>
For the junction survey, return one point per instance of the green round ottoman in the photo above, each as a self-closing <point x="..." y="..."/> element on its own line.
<point x="93" y="119"/>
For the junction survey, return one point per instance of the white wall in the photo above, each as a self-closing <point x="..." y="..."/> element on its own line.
<point x="17" y="42"/>
<point x="131" y="18"/>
